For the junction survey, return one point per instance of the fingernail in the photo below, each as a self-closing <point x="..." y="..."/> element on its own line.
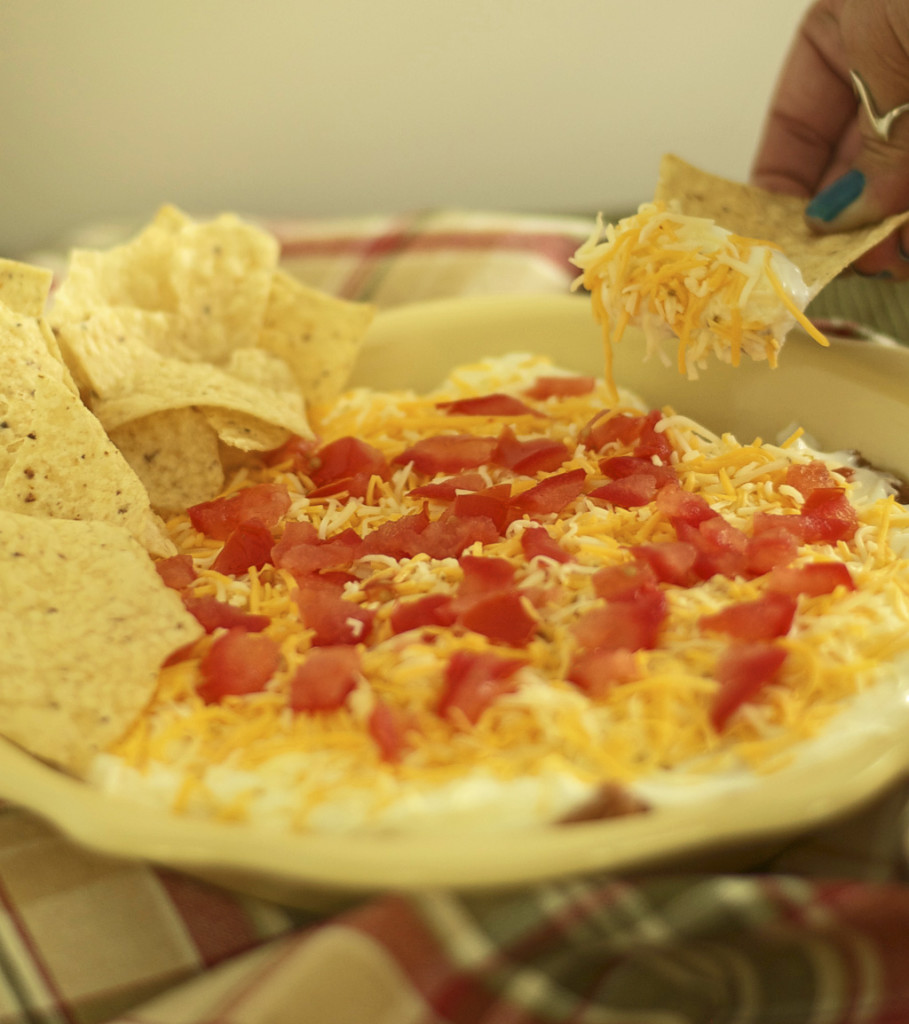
<point x="830" y="203"/>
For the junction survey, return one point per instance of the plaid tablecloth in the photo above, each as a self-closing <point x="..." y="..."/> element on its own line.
<point x="819" y="933"/>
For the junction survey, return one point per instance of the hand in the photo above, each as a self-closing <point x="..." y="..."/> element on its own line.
<point x="818" y="142"/>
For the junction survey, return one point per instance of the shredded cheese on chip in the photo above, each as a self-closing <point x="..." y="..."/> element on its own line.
<point x="685" y="277"/>
<point x="545" y="743"/>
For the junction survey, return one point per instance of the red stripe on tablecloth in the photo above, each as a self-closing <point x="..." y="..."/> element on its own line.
<point x="556" y="248"/>
<point x="878" y="913"/>
<point x="60" y="1005"/>
<point x="216" y="924"/>
<point x="456" y="995"/>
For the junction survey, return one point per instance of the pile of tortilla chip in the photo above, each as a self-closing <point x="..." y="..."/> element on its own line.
<point x="191" y="337"/>
<point x="157" y="362"/>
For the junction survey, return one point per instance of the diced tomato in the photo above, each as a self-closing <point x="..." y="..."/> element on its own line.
<point x="624" y="582"/>
<point x="449" y="535"/>
<point x="248" y="546"/>
<point x="265" y="503"/>
<point x="536" y="541"/>
<point x="560" y="387"/>
<point x="768" y="549"/>
<point x="500" y="615"/>
<point x="298" y="452"/>
<point x="618" y="466"/>
<point x="474" y="680"/>
<point x="177" y="571"/>
<point x="347" y="465"/>
<point x="671" y="561"/>
<point x="529" y="456"/>
<point x="809" y="476"/>
<point x="813" y="579"/>
<point x="325" y="679"/>
<point x="485" y="503"/>
<point x="345" y="458"/>
<point x="447" y="453"/>
<point x="765" y="618"/>
<point x="828" y="516"/>
<point x="332" y="619"/>
<point x="681" y="506"/>
<point x="388" y="728"/>
<point x="495" y="404"/>
<point x="482" y="574"/>
<point x="552" y="493"/>
<point x="763" y="523"/>
<point x="721" y="547"/>
<point x="297" y="532"/>
<point x="607" y="428"/>
<point x="652" y="442"/>
<point x="429" y="610"/>
<point x="237" y="662"/>
<point x="445" y="490"/>
<point x="399" y="538"/>
<point x="633" y="625"/>
<point x="488" y="602"/>
<point x="597" y="671"/>
<point x="213" y="614"/>
<point x="627" y="492"/>
<point x="300" y="550"/>
<point x="742" y="672"/>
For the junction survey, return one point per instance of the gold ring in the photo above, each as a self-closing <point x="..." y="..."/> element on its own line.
<point x="881" y="123"/>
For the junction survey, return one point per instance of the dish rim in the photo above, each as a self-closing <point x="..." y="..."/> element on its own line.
<point x="793" y="800"/>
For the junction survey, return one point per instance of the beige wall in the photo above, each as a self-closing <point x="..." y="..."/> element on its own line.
<point x="110" y="107"/>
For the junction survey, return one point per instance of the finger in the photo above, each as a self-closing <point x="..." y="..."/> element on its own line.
<point x="889" y="259"/>
<point x="877" y="184"/>
<point x="812" y="107"/>
<point x="884" y="261"/>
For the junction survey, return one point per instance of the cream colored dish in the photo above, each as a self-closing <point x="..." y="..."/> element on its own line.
<point x="853" y="395"/>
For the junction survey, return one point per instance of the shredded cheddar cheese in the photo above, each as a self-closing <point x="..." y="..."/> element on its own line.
<point x="545" y="743"/>
<point x="684" y="277"/>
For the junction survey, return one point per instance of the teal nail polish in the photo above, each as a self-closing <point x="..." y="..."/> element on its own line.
<point x="830" y="203"/>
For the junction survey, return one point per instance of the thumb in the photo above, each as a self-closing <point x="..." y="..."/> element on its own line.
<point x="876" y="183"/>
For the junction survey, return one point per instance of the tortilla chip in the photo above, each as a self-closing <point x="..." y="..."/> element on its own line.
<point x="222" y="274"/>
<point x="176" y="455"/>
<point x="55" y="458"/>
<point x="161" y="384"/>
<point x="104" y="347"/>
<point x="245" y="433"/>
<point x="85" y="623"/>
<point x="214" y="277"/>
<point x="24" y="288"/>
<point x="756" y="213"/>
<point x="317" y="335"/>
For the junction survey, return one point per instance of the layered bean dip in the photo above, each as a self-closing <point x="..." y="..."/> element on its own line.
<point x="510" y="601"/>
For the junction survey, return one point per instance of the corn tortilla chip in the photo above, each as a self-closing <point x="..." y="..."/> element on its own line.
<point x="214" y="277"/>
<point x="55" y="458"/>
<point x="24" y="288"/>
<point x="317" y="335"/>
<point x="244" y="432"/>
<point x="85" y="623"/>
<point x="756" y="213"/>
<point x="105" y="349"/>
<point x="176" y="455"/>
<point x="160" y="384"/>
